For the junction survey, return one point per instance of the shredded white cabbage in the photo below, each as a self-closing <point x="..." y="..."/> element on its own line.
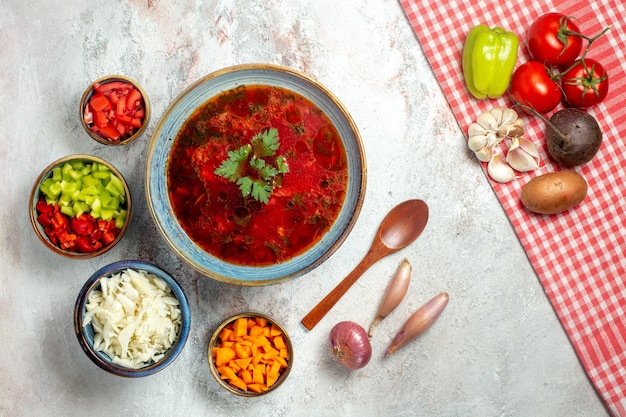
<point x="135" y="318"/>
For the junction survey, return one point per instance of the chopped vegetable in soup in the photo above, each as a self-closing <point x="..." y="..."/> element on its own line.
<point x="257" y="175"/>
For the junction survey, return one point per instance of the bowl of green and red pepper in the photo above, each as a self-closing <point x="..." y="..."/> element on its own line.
<point x="114" y="110"/>
<point x="80" y="206"/>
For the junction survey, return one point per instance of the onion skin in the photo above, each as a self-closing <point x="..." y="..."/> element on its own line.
<point x="396" y="291"/>
<point x="419" y="322"/>
<point x="350" y="345"/>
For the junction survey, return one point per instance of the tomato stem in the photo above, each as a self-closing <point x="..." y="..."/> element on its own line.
<point x="589" y="40"/>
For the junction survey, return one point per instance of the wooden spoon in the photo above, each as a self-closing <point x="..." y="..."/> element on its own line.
<point x="402" y="225"/>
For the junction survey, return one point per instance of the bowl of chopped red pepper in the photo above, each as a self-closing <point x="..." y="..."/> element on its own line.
<point x="80" y="206"/>
<point x="114" y="110"/>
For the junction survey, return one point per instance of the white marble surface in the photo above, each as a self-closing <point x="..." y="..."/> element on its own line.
<point x="498" y="349"/>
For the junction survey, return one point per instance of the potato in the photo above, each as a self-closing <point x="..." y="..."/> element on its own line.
<point x="554" y="192"/>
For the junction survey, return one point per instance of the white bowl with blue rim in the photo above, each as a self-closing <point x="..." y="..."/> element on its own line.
<point x="174" y="118"/>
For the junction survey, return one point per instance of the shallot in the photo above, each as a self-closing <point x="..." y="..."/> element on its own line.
<point x="396" y="291"/>
<point x="350" y="345"/>
<point x="419" y="322"/>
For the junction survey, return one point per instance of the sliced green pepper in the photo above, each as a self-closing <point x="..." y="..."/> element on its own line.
<point x="489" y="57"/>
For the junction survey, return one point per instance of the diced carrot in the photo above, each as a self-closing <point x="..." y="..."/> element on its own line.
<point x="243" y="362"/>
<point x="223" y="356"/>
<point x="227" y="372"/>
<point x="241" y="327"/>
<point x="242" y="351"/>
<point x="237" y="382"/>
<point x="261" y="321"/>
<point x="274" y="369"/>
<point x="279" y="342"/>
<point x="271" y="379"/>
<point x="258" y="374"/>
<point x="255" y="331"/>
<point x="258" y="388"/>
<point x="275" y="331"/>
<point x="281" y="361"/>
<point x="251" y="352"/>
<point x="225" y="333"/>
<point x="246" y="376"/>
<point x="232" y="364"/>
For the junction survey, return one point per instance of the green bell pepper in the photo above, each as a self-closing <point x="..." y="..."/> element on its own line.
<point x="489" y="57"/>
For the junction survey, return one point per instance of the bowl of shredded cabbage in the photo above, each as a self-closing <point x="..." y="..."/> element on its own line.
<point x="132" y="318"/>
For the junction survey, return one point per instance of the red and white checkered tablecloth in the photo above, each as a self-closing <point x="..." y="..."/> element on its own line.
<point x="580" y="255"/>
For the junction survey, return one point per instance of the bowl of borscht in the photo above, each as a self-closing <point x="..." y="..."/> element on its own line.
<point x="255" y="174"/>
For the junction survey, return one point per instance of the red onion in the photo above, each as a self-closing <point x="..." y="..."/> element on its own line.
<point x="350" y="345"/>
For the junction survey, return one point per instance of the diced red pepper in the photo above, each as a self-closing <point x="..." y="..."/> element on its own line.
<point x="134" y="100"/>
<point x="99" y="102"/>
<point x="135" y="122"/>
<point x="79" y="234"/>
<point x="114" y="96"/>
<point x="107" y="238"/>
<point x="121" y="107"/>
<point x="113" y="85"/>
<point x="82" y="225"/>
<point x="115" y="110"/>
<point x="121" y="127"/>
<point x="100" y="119"/>
<point x="124" y="119"/>
<point x="44" y="207"/>
<point x="44" y="220"/>
<point x="110" y="132"/>
<point x="83" y="245"/>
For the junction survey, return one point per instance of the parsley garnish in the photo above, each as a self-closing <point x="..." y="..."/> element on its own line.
<point x="247" y="166"/>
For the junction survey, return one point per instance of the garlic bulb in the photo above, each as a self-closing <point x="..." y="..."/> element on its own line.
<point x="486" y="135"/>
<point x="491" y="128"/>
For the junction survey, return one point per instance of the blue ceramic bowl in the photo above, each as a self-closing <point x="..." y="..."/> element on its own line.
<point x="158" y="156"/>
<point x="85" y="334"/>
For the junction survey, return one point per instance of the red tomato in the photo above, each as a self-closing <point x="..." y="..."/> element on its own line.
<point x="554" y="39"/>
<point x="585" y="84"/>
<point x="534" y="86"/>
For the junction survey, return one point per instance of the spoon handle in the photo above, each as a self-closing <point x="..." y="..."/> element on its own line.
<point x="319" y="311"/>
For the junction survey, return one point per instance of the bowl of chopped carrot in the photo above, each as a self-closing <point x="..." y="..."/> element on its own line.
<point x="80" y="206"/>
<point x="250" y="354"/>
<point x="114" y="110"/>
